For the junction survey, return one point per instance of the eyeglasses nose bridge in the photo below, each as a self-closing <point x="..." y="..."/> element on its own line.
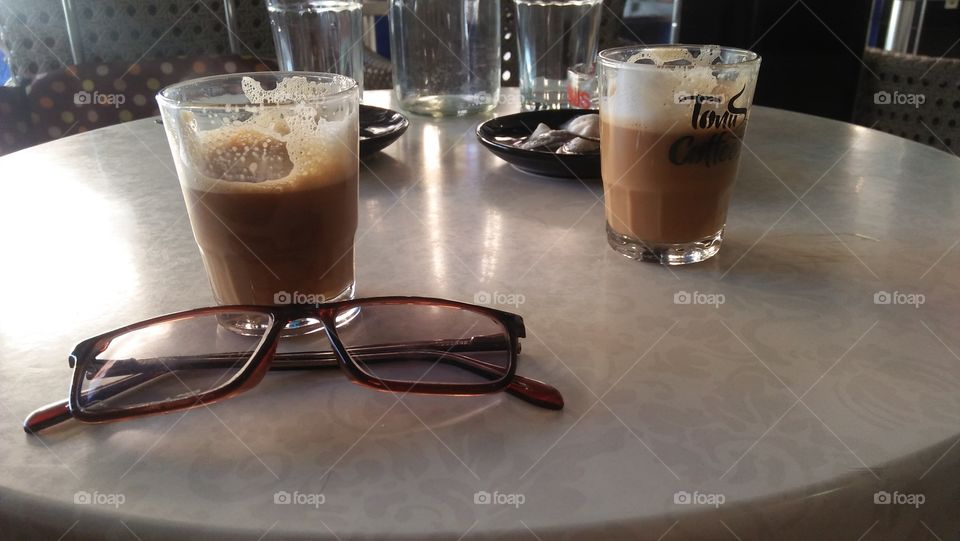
<point x="265" y="355"/>
<point x="347" y="364"/>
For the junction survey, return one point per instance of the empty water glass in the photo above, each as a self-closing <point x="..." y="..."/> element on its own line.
<point x="319" y="35"/>
<point x="553" y="35"/>
<point x="446" y="55"/>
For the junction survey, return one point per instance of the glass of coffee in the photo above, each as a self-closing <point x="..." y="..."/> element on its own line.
<point x="269" y="171"/>
<point x="672" y="118"/>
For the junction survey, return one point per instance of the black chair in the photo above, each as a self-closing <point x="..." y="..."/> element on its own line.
<point x="916" y="97"/>
<point x="15" y="129"/>
<point x="35" y="33"/>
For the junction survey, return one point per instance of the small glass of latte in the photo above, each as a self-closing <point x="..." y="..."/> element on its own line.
<point x="269" y="171"/>
<point x="672" y="118"/>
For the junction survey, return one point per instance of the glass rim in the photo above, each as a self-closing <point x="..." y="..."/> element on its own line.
<point x="559" y="2"/>
<point x="603" y="57"/>
<point x="583" y="69"/>
<point x="195" y="313"/>
<point x="164" y="98"/>
<point x="288" y="2"/>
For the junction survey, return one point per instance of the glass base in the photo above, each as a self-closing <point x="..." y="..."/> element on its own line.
<point x="665" y="254"/>
<point x="543" y="94"/>
<point x="543" y="103"/>
<point x="247" y="326"/>
<point x="447" y="106"/>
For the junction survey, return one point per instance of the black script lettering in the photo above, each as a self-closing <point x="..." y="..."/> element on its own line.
<point x="704" y="119"/>
<point x="719" y="147"/>
<point x="734" y="109"/>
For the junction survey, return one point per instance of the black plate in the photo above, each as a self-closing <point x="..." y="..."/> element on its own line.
<point x="378" y="128"/>
<point x="501" y="133"/>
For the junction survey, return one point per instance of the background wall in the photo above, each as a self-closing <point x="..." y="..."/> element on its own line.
<point x="811" y="49"/>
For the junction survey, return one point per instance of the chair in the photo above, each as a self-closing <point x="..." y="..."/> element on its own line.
<point x="89" y="96"/>
<point x="377" y="71"/>
<point x="126" y="30"/>
<point x="916" y="97"/>
<point x="34" y="33"/>
<point x="15" y="132"/>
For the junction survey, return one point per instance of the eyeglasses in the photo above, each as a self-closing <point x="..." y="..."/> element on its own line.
<point x="198" y="357"/>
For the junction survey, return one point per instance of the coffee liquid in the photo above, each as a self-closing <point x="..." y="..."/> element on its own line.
<point x="671" y="125"/>
<point x="294" y="233"/>
<point x="667" y="187"/>
<point x="273" y="199"/>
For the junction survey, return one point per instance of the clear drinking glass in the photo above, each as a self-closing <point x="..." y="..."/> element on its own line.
<point x="269" y="171"/>
<point x="582" y="86"/>
<point x="319" y="35"/>
<point x="446" y="55"/>
<point x="553" y="35"/>
<point x="672" y="118"/>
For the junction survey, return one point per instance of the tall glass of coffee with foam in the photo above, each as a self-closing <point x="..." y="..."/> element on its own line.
<point x="672" y="118"/>
<point x="269" y="171"/>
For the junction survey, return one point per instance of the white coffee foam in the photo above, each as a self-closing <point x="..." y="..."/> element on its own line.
<point x="646" y="97"/>
<point x="285" y="143"/>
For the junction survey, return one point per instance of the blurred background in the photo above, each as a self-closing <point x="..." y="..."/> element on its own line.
<point x="889" y="64"/>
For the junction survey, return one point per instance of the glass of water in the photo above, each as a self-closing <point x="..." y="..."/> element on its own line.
<point x="319" y="36"/>
<point x="553" y="35"/>
<point x="582" y="87"/>
<point x="446" y="55"/>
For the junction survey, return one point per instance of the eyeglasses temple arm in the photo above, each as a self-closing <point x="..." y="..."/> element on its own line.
<point x="299" y="360"/>
<point x="58" y="412"/>
<point x="47" y="416"/>
<point x="530" y="390"/>
<point x="527" y="389"/>
<point x="535" y="392"/>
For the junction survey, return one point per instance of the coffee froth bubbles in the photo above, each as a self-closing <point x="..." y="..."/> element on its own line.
<point x="263" y="147"/>
<point x="667" y="85"/>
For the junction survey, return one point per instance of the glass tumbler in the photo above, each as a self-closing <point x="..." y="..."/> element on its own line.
<point x="269" y="172"/>
<point x="446" y="55"/>
<point x="319" y="35"/>
<point x="552" y="36"/>
<point x="582" y="86"/>
<point x="672" y="118"/>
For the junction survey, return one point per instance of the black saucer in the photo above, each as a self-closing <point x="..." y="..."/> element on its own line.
<point x="378" y="128"/>
<point x="501" y="133"/>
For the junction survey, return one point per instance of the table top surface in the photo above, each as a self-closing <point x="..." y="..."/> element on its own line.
<point x="815" y="364"/>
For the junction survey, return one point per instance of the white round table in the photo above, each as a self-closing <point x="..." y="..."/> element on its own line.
<point x="804" y="384"/>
